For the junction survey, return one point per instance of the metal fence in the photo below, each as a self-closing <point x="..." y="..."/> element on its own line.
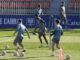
<point x="28" y="6"/>
<point x="22" y="6"/>
<point x="72" y="7"/>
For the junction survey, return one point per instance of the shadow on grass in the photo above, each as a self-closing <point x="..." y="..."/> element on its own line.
<point x="37" y="47"/>
<point x="4" y="59"/>
<point x="71" y="30"/>
<point x="5" y="36"/>
<point x="19" y="57"/>
<point x="5" y="49"/>
<point x="31" y="57"/>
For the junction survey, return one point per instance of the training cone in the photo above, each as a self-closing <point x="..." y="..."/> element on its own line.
<point x="60" y="53"/>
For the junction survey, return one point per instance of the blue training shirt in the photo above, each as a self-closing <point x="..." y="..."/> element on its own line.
<point x="58" y="30"/>
<point x="38" y="11"/>
<point x="38" y="21"/>
<point x="20" y="29"/>
<point x="41" y="25"/>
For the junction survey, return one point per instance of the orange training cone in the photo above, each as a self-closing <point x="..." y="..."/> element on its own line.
<point x="60" y="52"/>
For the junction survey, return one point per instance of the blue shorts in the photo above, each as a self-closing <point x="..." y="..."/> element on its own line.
<point x="18" y="39"/>
<point x="55" y="40"/>
<point x="42" y="32"/>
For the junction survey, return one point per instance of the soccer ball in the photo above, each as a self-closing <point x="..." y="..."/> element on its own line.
<point x="3" y="53"/>
<point x="15" y="53"/>
<point x="6" y="47"/>
<point x="68" y="57"/>
<point x="22" y="54"/>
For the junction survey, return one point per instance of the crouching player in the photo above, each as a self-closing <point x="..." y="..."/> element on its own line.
<point x="42" y="29"/>
<point x="57" y="34"/>
<point x="20" y="29"/>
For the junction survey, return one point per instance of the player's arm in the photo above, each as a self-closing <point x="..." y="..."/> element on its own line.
<point x="42" y="12"/>
<point x="35" y="28"/>
<point x="18" y="27"/>
<point x="55" y="29"/>
<point x="61" y="32"/>
<point x="27" y="32"/>
<point x="52" y="33"/>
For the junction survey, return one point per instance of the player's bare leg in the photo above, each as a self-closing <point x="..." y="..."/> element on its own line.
<point x="21" y="45"/>
<point x="53" y="44"/>
<point x="44" y="36"/>
<point x="24" y="50"/>
<point x="40" y="40"/>
<point x="58" y="45"/>
<point x="35" y="30"/>
<point x="15" y="44"/>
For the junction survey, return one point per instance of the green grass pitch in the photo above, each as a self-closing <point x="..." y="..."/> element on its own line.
<point x="70" y="43"/>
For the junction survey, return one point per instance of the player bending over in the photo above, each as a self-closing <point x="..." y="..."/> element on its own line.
<point x="57" y="34"/>
<point x="41" y="31"/>
<point x="20" y="29"/>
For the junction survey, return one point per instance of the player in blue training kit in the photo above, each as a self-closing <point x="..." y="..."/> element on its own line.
<point x="20" y="29"/>
<point x="63" y="14"/>
<point x="39" y="12"/>
<point x="41" y="31"/>
<point x="57" y="35"/>
<point x="37" y="24"/>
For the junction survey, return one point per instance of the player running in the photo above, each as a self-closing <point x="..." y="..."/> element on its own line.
<point x="20" y="29"/>
<point x="57" y="35"/>
<point x="41" y="31"/>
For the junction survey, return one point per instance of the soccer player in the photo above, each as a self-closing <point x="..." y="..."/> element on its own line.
<point x="41" y="31"/>
<point x="38" y="12"/>
<point x="57" y="35"/>
<point x="20" y="29"/>
<point x="63" y="13"/>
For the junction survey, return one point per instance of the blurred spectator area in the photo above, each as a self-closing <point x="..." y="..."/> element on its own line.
<point x="10" y="6"/>
<point x="73" y="6"/>
<point x="29" y="6"/>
